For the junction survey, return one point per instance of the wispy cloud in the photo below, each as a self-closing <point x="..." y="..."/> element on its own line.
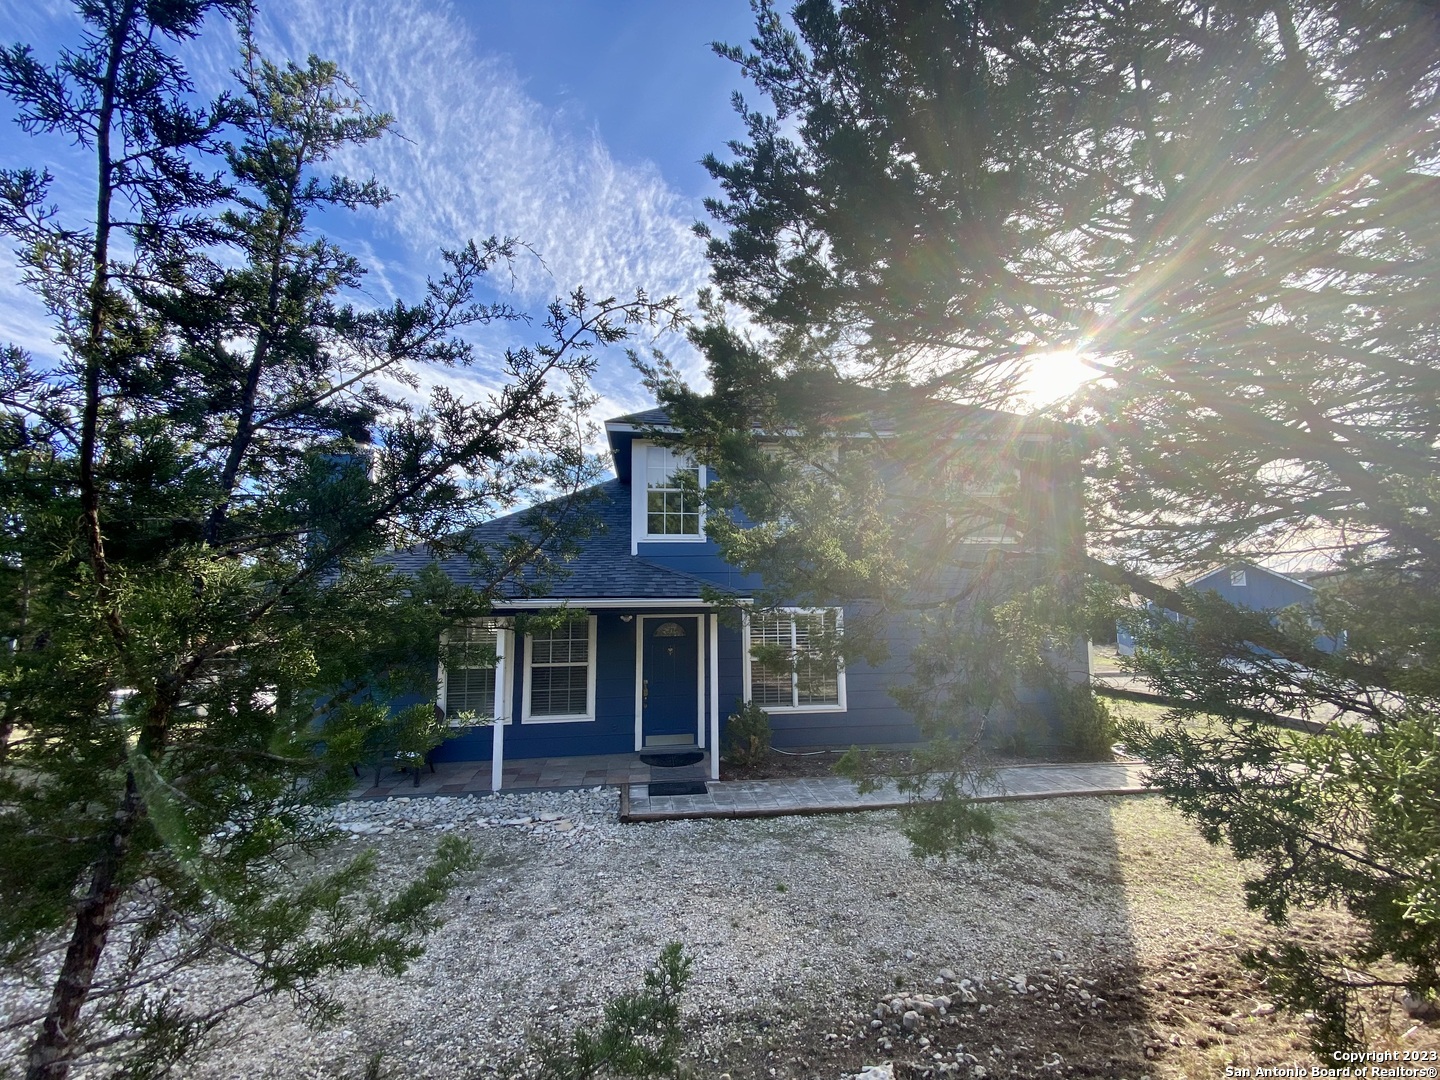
<point x="478" y="157"/>
<point x="473" y="156"/>
<point x="25" y="321"/>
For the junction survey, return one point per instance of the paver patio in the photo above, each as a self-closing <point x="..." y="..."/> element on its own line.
<point x="520" y="774"/>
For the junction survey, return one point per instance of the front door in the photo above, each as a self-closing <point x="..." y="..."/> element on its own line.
<point x="669" y="686"/>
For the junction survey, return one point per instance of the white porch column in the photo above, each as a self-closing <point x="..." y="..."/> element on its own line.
<point x="714" y="642"/>
<point x="502" y="703"/>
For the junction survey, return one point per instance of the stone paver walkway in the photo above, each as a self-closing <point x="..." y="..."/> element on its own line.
<point x="833" y="795"/>
<point x="734" y="798"/>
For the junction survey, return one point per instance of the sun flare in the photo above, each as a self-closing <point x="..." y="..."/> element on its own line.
<point x="1055" y="375"/>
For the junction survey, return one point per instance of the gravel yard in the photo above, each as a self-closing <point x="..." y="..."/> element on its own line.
<point x="786" y="918"/>
<point x="1099" y="939"/>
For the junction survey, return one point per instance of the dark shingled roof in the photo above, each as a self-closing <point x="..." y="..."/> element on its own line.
<point x="641" y="419"/>
<point x="604" y="568"/>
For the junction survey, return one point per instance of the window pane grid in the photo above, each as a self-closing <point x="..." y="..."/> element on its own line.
<point x="768" y="686"/>
<point x="569" y="644"/>
<point x="470" y="673"/>
<point x="560" y="670"/>
<point x="558" y="691"/>
<point x="672" y="505"/>
<point x="811" y="679"/>
<point x="817" y="680"/>
<point x="470" y="690"/>
<point x="816" y="684"/>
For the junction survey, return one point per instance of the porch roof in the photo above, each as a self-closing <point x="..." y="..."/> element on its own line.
<point x="601" y="569"/>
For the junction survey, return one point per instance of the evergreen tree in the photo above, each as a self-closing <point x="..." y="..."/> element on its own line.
<point x="1232" y="208"/>
<point x="193" y="495"/>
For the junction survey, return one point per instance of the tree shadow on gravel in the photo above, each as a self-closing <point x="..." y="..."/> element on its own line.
<point x="1107" y="941"/>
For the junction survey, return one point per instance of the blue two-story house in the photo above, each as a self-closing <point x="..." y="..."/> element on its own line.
<point x="648" y="664"/>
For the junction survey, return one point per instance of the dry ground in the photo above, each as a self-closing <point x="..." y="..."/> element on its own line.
<point x="1178" y="1003"/>
<point x="796" y="766"/>
<point x="799" y="926"/>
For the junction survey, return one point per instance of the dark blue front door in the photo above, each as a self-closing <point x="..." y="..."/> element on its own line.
<point x="669" y="688"/>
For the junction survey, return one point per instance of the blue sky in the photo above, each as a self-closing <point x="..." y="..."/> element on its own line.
<point x="575" y="125"/>
<point x="642" y="73"/>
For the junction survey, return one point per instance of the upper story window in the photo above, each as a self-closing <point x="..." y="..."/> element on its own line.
<point x="980" y="501"/>
<point x="672" y="493"/>
<point x="1237" y="578"/>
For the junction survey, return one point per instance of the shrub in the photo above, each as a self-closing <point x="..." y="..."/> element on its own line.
<point x="639" y="1037"/>
<point x="369" y="735"/>
<point x="1087" y="727"/>
<point x="418" y="730"/>
<point x="747" y="735"/>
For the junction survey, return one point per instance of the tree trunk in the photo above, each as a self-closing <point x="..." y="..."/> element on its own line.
<point x="53" y="1050"/>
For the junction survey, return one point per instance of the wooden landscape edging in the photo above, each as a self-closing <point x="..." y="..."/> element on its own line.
<point x="733" y="813"/>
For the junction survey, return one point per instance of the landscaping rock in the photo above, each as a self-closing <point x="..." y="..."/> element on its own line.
<point x="1419" y="1008"/>
<point x="558" y="921"/>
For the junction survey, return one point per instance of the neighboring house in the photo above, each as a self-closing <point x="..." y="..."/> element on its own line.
<point x="1246" y="585"/>
<point x="649" y="665"/>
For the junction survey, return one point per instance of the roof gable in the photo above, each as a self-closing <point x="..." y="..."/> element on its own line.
<point x="1242" y="564"/>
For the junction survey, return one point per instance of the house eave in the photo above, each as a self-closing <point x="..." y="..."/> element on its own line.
<point x="611" y="425"/>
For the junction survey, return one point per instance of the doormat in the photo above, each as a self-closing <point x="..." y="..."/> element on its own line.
<point x="673" y="761"/>
<point x="678" y="787"/>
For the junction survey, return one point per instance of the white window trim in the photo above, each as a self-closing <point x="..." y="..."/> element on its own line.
<point x="982" y="529"/>
<point x="840" y="705"/>
<point x="504" y="676"/>
<point x="639" y="516"/>
<point x="573" y="718"/>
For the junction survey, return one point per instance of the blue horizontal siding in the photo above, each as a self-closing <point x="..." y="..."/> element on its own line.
<point x="731" y="680"/>
<point x="1262" y="591"/>
<point x="871" y="718"/>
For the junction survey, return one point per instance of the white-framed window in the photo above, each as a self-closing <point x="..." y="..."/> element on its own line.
<point x="810" y="473"/>
<point x="793" y="675"/>
<point x="672" y="494"/>
<point x="560" y="673"/>
<point x="1237" y="578"/>
<point x="980" y="498"/>
<point x="473" y="669"/>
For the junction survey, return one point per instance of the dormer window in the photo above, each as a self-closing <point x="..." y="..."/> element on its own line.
<point x="672" y="493"/>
